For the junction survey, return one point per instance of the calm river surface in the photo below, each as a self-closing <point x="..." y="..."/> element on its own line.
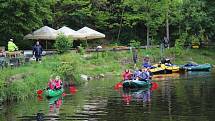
<point x="188" y="97"/>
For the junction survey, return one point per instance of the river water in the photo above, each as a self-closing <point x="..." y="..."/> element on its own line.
<point x="187" y="97"/>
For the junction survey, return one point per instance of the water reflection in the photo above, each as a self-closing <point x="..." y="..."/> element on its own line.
<point x="196" y="74"/>
<point x="174" y="100"/>
<point x="138" y="95"/>
<point x="54" y="105"/>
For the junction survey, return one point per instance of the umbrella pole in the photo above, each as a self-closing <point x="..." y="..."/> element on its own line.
<point x="46" y="44"/>
<point x="86" y="44"/>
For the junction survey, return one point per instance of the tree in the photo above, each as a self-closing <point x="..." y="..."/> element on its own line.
<point x="19" y="17"/>
<point x="146" y="12"/>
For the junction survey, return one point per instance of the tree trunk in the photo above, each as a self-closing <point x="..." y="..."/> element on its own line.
<point x="120" y="27"/>
<point x="148" y="41"/>
<point x="167" y="28"/>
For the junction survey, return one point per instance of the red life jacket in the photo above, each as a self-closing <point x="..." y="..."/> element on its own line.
<point x="51" y="84"/>
<point x="58" y="84"/>
<point x="126" y="75"/>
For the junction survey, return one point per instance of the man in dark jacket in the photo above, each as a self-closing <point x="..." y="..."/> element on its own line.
<point x="37" y="51"/>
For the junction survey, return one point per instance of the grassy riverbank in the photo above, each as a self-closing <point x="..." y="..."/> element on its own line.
<point x="22" y="82"/>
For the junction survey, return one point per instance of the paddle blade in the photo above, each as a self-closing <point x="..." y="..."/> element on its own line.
<point x="118" y="85"/>
<point x="72" y="89"/>
<point x="39" y="92"/>
<point x="154" y="86"/>
<point x="39" y="98"/>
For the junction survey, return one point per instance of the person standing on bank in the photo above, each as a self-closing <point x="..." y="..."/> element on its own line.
<point x="37" y="51"/>
<point x="135" y="58"/>
<point x="11" y="46"/>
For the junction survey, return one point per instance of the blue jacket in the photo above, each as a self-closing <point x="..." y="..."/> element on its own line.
<point x="37" y="50"/>
<point x="136" y="74"/>
<point x="144" y="76"/>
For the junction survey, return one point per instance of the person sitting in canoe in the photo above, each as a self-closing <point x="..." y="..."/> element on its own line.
<point x="126" y="75"/>
<point x="148" y="72"/>
<point x="146" y="62"/>
<point x="144" y="76"/>
<point x="136" y="74"/>
<point x="58" y="83"/>
<point x="51" y="83"/>
<point x="55" y="84"/>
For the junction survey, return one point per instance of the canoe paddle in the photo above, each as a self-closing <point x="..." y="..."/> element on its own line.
<point x="72" y="89"/>
<point x="154" y="86"/>
<point x="40" y="92"/>
<point x="118" y="85"/>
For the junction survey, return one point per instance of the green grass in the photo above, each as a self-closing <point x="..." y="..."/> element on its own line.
<point x="36" y="77"/>
<point x="71" y="65"/>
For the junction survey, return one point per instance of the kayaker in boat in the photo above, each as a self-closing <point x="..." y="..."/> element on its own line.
<point x="146" y="62"/>
<point x="136" y="74"/>
<point x="144" y="76"/>
<point x="149" y="73"/>
<point x="126" y="75"/>
<point x="55" y="84"/>
<point x="51" y="83"/>
<point x="58" y="83"/>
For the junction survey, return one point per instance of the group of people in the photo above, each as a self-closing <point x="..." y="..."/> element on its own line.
<point x="55" y="84"/>
<point x="141" y="75"/>
<point x="37" y="49"/>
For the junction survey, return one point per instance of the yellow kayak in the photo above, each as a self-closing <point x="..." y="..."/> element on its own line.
<point x="162" y="68"/>
<point x="172" y="69"/>
<point x="159" y="69"/>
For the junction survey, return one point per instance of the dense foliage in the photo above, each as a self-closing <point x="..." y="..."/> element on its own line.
<point x="147" y="21"/>
<point x="63" y="43"/>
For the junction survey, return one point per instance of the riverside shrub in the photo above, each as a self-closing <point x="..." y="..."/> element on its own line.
<point x="63" y="43"/>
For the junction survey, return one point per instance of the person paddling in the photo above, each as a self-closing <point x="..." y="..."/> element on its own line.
<point x="144" y="76"/>
<point x="136" y="74"/>
<point x="58" y="83"/>
<point x="51" y="83"/>
<point x="126" y="75"/>
<point x="55" y="84"/>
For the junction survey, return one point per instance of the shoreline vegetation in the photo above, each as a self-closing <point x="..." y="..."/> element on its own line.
<point x="22" y="82"/>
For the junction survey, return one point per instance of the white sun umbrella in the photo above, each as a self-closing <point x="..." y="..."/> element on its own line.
<point x="90" y="33"/>
<point x="44" y="33"/>
<point x="71" y="33"/>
